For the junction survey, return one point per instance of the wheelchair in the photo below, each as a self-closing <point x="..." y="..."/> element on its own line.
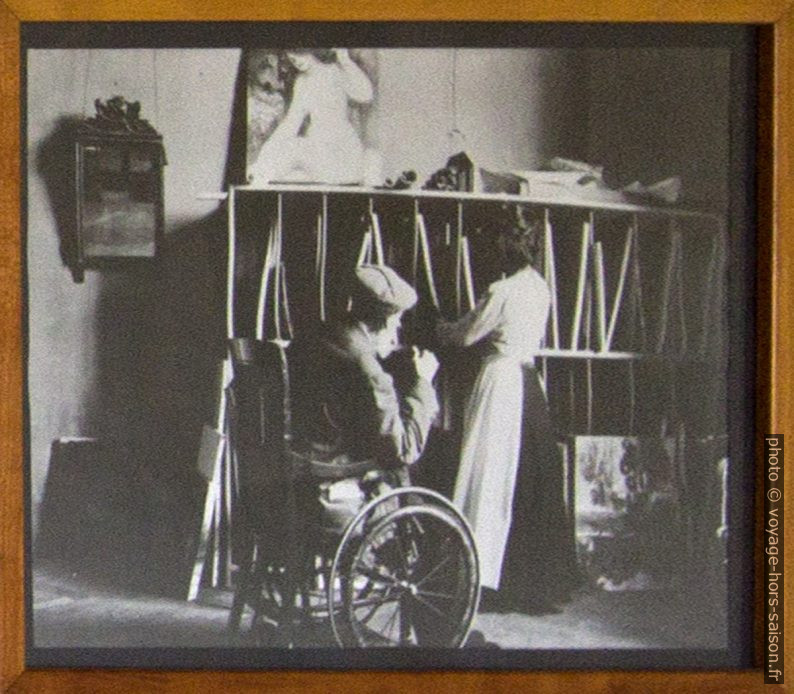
<point x="403" y="571"/>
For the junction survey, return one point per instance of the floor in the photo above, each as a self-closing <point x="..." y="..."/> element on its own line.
<point x="71" y="611"/>
<point x="132" y="542"/>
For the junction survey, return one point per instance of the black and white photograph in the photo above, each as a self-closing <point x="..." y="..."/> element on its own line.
<point x="387" y="353"/>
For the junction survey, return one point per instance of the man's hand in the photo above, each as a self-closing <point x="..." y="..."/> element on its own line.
<point x="426" y="363"/>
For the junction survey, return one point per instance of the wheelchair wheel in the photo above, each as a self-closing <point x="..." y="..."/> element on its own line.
<point x="411" y="579"/>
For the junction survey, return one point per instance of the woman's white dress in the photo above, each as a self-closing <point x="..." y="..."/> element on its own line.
<point x="512" y="316"/>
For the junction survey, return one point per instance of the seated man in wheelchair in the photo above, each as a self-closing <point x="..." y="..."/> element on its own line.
<point x="339" y="528"/>
<point x="349" y="418"/>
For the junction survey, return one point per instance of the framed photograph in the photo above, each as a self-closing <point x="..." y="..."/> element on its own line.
<point x="462" y="362"/>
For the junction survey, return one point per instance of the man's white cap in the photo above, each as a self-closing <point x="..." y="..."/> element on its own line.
<point x="383" y="285"/>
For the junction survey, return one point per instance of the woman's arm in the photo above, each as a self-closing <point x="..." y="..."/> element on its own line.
<point x="476" y="324"/>
<point x="355" y="81"/>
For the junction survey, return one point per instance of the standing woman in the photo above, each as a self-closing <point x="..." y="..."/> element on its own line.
<point x="510" y="481"/>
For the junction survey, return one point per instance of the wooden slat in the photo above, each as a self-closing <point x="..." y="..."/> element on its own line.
<point x="264" y="283"/>
<point x="551" y="278"/>
<point x="468" y="279"/>
<point x="377" y="238"/>
<point x="276" y="268"/>
<point x="323" y="256"/>
<point x="427" y="261"/>
<point x="636" y="290"/>
<point x="231" y="231"/>
<point x="492" y="682"/>
<point x="733" y="11"/>
<point x="213" y="451"/>
<point x="667" y="289"/>
<point x="776" y="250"/>
<point x="576" y="326"/>
<point x="618" y="300"/>
<point x="12" y="500"/>
<point x="600" y="295"/>
<point x="679" y="294"/>
<point x="459" y="259"/>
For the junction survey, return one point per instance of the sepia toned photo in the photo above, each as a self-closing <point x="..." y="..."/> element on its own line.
<point x="385" y="356"/>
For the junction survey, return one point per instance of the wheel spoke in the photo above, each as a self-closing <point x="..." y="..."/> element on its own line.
<point x="418" y="525"/>
<point x="375" y="606"/>
<point x="433" y="571"/>
<point x="403" y="557"/>
<point x="434" y="594"/>
<point x="375" y="601"/>
<point x="419" y="532"/>
<point x="370" y="636"/>
<point x="441" y="551"/>
<point x="372" y="573"/>
<point x="406" y="627"/>
<point x="392" y="621"/>
<point x="416" y="598"/>
<point x="441" y="614"/>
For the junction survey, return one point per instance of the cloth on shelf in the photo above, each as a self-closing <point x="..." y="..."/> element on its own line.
<point x="568" y="179"/>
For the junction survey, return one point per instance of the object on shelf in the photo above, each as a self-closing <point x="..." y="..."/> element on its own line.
<point x="502" y="182"/>
<point x="561" y="164"/>
<point x="568" y="179"/>
<point x="667" y="190"/>
<point x="403" y="182"/>
<point x="457" y="175"/>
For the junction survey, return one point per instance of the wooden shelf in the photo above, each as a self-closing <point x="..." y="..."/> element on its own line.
<point x="618" y="356"/>
<point x="561" y="201"/>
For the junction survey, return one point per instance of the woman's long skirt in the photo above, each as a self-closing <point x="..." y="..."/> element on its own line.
<point x="510" y="485"/>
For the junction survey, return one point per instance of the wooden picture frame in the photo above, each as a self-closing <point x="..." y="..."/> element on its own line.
<point x="775" y="240"/>
<point x="118" y="173"/>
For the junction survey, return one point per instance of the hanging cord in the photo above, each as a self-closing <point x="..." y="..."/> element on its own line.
<point x="86" y="79"/>
<point x="454" y="90"/>
<point x="456" y="138"/>
<point x="154" y="85"/>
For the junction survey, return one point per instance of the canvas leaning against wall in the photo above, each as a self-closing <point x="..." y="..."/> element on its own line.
<point x="171" y="491"/>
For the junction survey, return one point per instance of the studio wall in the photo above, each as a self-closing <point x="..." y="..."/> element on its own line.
<point x="132" y="354"/>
